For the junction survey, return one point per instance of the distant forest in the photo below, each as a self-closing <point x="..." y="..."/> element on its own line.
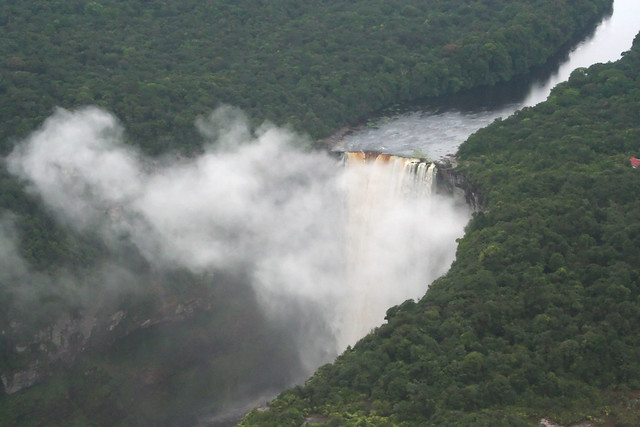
<point x="539" y="316"/>
<point x="317" y="66"/>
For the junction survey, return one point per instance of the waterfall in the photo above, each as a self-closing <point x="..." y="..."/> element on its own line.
<point x="394" y="235"/>
<point x="395" y="176"/>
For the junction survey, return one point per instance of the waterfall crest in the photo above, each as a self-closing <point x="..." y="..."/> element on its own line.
<point x="401" y="176"/>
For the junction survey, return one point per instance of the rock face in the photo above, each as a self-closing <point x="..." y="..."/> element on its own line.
<point x="60" y="341"/>
<point x="451" y="181"/>
<point x="71" y="333"/>
<point x="13" y="382"/>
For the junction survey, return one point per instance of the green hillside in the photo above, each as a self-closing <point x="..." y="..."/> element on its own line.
<point x="539" y="315"/>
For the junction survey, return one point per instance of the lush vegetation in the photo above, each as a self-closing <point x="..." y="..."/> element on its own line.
<point x="540" y="313"/>
<point x="316" y="66"/>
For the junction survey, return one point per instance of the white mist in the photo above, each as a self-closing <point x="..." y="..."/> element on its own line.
<point x="327" y="249"/>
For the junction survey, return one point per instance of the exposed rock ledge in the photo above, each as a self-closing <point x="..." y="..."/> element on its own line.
<point x="451" y="181"/>
<point x="71" y="333"/>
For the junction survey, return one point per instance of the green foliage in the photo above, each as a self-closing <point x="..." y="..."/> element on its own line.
<point x="313" y="65"/>
<point x="539" y="314"/>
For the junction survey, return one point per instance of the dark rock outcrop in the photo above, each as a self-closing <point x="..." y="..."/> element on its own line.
<point x="450" y="180"/>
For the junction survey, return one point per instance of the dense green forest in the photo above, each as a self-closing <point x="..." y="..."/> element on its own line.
<point x="539" y="315"/>
<point x="315" y="66"/>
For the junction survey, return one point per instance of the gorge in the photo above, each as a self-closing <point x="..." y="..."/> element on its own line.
<point x="516" y="329"/>
<point x="401" y="134"/>
<point x="299" y="257"/>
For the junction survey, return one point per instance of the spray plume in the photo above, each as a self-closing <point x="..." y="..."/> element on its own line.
<point x="326" y="249"/>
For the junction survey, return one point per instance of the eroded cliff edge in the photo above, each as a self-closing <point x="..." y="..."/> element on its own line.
<point x="453" y="181"/>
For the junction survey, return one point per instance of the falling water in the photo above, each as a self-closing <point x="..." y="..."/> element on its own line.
<point x="396" y="234"/>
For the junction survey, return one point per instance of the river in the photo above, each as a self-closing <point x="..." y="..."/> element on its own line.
<point x="436" y="129"/>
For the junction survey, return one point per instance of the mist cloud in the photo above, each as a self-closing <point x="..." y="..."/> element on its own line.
<point x="253" y="202"/>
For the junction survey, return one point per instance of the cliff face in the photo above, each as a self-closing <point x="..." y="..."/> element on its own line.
<point x="60" y="341"/>
<point x="450" y="180"/>
<point x="36" y="355"/>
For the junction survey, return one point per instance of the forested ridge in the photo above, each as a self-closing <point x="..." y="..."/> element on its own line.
<point x="315" y="66"/>
<point x="539" y="315"/>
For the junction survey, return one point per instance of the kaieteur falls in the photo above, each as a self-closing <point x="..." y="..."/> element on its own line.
<point x="401" y="234"/>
